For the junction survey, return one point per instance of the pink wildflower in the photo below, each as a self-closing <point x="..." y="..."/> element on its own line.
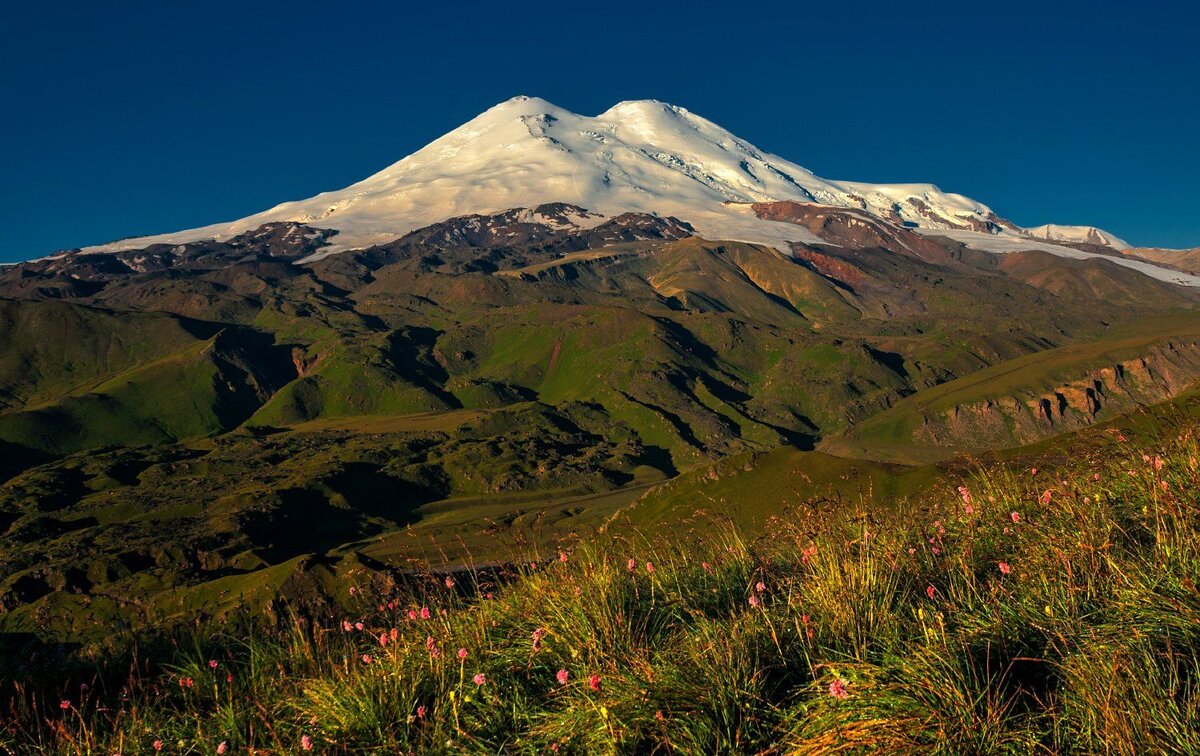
<point x="479" y="679"/>
<point x="353" y="590"/>
<point x="594" y="682"/>
<point x="650" y="567"/>
<point x="930" y="591"/>
<point x="562" y="556"/>
<point x="421" y="712"/>
<point x="412" y="614"/>
<point x="1046" y="496"/>
<point x="64" y="705"/>
<point x="425" y="612"/>
<point x="1016" y="517"/>
<point x="157" y="745"/>
<point x="306" y="743"/>
<point x="562" y="676"/>
<point x="965" y="493"/>
<point x="366" y="658"/>
<point x="462" y="653"/>
<point x="1004" y="568"/>
<point x="212" y="663"/>
<point x="222" y="747"/>
<point x="449" y="582"/>
<point x="383" y="639"/>
<point x="358" y="626"/>
<point x="393" y="634"/>
<point x="760" y="586"/>
<point x="1158" y="463"/>
<point x="753" y="600"/>
<point x="837" y="689"/>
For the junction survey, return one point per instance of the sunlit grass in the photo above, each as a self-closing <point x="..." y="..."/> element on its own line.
<point x="1029" y="611"/>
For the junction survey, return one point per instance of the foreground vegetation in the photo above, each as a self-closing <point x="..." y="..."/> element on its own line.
<point x="1050" y="610"/>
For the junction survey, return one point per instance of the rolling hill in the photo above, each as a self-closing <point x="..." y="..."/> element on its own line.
<point x="541" y="326"/>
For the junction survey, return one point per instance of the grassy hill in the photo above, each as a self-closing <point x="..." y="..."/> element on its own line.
<point x="1038" y="395"/>
<point x="1010" y="609"/>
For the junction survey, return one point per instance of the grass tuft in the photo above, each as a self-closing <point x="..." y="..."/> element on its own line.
<point x="1029" y="611"/>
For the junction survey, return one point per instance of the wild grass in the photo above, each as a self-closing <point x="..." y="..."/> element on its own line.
<point x="1028" y="611"/>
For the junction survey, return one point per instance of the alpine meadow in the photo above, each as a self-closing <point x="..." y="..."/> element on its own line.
<point x="592" y="434"/>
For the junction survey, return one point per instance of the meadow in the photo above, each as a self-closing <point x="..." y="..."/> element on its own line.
<point x="1017" y="610"/>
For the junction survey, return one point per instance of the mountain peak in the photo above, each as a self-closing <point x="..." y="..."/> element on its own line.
<point x="525" y="105"/>
<point x="644" y="156"/>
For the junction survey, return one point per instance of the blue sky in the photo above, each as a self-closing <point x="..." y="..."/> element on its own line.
<point x="129" y="118"/>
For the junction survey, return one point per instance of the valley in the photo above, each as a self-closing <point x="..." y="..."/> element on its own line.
<point x="451" y="364"/>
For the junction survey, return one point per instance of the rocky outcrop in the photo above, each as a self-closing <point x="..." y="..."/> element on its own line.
<point x="829" y="266"/>
<point x="851" y="228"/>
<point x="1162" y="373"/>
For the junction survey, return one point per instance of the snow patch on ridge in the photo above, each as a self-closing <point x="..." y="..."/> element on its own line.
<point x="1005" y="243"/>
<point x="1077" y="235"/>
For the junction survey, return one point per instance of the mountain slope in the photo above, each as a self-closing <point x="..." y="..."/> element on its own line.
<point x="1187" y="260"/>
<point x="642" y="157"/>
<point x="1077" y="235"/>
<point x="1035" y="396"/>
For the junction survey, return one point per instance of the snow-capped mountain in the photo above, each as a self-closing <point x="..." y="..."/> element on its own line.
<point x="640" y="156"/>
<point x="643" y="156"/>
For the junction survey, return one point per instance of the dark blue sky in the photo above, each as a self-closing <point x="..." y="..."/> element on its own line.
<point x="129" y="118"/>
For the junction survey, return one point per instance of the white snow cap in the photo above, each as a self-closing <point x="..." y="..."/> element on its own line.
<point x="642" y="155"/>
<point x="1078" y="235"/>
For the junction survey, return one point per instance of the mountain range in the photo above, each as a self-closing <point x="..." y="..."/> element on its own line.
<point x="540" y="324"/>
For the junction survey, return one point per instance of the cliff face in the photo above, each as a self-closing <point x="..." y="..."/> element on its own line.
<point x="1164" y="372"/>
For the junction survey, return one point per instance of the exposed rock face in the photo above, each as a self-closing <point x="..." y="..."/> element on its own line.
<point x="1164" y="372"/>
<point x="77" y="274"/>
<point x="519" y="237"/>
<point x="853" y="229"/>
<point x="829" y="266"/>
<point x="556" y="226"/>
